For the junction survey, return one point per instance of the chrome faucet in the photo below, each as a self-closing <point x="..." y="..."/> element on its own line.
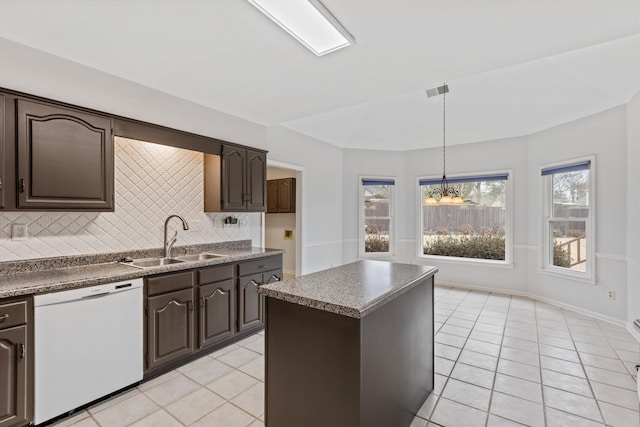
<point x="168" y="244"/>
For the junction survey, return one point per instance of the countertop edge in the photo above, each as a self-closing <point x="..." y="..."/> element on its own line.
<point x="117" y="274"/>
<point x="354" y="312"/>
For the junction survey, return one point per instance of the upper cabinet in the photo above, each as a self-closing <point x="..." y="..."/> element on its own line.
<point x="235" y="181"/>
<point x="281" y="195"/>
<point x="64" y="158"/>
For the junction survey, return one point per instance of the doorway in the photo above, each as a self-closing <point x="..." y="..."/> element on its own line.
<point x="282" y="230"/>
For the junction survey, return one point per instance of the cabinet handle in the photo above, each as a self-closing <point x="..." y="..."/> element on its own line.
<point x="190" y="305"/>
<point x="0" y="184"/>
<point x="273" y="276"/>
<point x="254" y="283"/>
<point x="4" y="317"/>
<point x="23" y="186"/>
<point x="21" y="347"/>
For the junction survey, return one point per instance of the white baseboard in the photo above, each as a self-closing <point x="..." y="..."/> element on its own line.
<point x="551" y="301"/>
<point x="633" y="331"/>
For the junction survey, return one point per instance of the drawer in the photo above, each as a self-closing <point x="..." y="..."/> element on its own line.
<point x="13" y="314"/>
<point x="260" y="265"/>
<point x="169" y="282"/>
<point x="214" y="274"/>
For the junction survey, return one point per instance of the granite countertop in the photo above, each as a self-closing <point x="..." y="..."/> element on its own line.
<point x="352" y="290"/>
<point x="58" y="279"/>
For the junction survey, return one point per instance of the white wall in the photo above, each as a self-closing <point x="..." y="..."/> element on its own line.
<point x="633" y="209"/>
<point x="603" y="135"/>
<point x="321" y="192"/>
<point x="32" y="71"/>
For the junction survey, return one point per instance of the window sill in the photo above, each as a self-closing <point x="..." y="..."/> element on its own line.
<point x="568" y="276"/>
<point x="470" y="261"/>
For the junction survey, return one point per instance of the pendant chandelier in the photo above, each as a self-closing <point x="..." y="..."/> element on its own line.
<point x="448" y="195"/>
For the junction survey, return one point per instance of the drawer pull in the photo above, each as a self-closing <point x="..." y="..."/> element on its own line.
<point x="262" y="266"/>
<point x="21" y="351"/>
<point x="254" y="283"/>
<point x="4" y="317"/>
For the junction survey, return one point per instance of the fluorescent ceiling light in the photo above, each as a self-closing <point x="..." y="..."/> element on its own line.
<point x="309" y="22"/>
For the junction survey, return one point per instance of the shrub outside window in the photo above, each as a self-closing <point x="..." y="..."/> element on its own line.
<point x="568" y="233"/>
<point x="477" y="229"/>
<point x="376" y="216"/>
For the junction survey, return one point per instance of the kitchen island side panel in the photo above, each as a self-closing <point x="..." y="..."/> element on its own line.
<point x="325" y="369"/>
<point x="397" y="358"/>
<point x="312" y="367"/>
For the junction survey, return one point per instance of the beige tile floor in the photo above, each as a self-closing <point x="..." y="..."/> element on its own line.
<point x="500" y="361"/>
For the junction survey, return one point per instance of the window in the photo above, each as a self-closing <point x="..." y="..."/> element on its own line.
<point x="376" y="216"/>
<point x="568" y="233"/>
<point x="476" y="229"/>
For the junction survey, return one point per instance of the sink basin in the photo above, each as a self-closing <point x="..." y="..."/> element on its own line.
<point x="198" y="257"/>
<point x="153" y="262"/>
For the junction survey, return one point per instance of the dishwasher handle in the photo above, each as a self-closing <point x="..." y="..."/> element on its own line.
<point x="101" y="294"/>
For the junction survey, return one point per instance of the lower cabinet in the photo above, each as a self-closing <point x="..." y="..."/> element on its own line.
<point x="250" y="308"/>
<point x="190" y="311"/>
<point x="170" y="318"/>
<point x="16" y="397"/>
<point x="170" y="327"/>
<point x="217" y="312"/>
<point x="254" y="274"/>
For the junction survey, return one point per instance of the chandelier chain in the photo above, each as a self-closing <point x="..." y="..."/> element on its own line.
<point x="444" y="135"/>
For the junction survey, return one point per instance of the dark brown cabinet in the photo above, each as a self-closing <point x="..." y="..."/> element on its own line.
<point x="3" y="154"/>
<point x="254" y="274"/>
<point x="170" y="318"/>
<point x="281" y="195"/>
<point x="217" y="302"/>
<point x="16" y="397"/>
<point x="177" y="326"/>
<point x="250" y="307"/>
<point x="235" y="181"/>
<point x="64" y="158"/>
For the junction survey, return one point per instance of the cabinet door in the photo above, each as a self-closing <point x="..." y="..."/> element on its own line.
<point x="256" y="181"/>
<point x="170" y="320"/>
<point x="65" y="158"/>
<point x="217" y="312"/>
<point x="13" y="377"/>
<point x="287" y="195"/>
<point x="272" y="196"/>
<point x="249" y="303"/>
<point x="233" y="178"/>
<point x="2" y="152"/>
<point x="272" y="276"/>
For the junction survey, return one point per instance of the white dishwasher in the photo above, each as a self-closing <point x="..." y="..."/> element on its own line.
<point x="88" y="343"/>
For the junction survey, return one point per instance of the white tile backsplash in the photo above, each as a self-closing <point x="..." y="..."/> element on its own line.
<point x="152" y="181"/>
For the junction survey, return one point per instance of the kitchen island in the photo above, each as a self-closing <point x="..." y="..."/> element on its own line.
<point x="349" y="346"/>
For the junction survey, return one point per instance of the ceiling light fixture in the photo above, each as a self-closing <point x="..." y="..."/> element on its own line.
<point x="309" y="22"/>
<point x="448" y="195"/>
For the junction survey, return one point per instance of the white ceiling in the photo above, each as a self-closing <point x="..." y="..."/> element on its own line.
<point x="514" y="67"/>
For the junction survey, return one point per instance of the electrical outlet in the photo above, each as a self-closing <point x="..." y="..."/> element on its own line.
<point x="611" y="294"/>
<point x="19" y="232"/>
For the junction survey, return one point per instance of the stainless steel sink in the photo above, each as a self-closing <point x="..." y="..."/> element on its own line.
<point x="199" y="257"/>
<point x="153" y="262"/>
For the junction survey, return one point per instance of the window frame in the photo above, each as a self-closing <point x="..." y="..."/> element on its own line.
<point x="546" y="262"/>
<point x="508" y="238"/>
<point x="361" y="218"/>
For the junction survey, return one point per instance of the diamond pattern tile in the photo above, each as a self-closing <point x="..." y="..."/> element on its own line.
<point x="152" y="181"/>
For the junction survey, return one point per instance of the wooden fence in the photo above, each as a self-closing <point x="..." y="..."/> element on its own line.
<point x="462" y="219"/>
